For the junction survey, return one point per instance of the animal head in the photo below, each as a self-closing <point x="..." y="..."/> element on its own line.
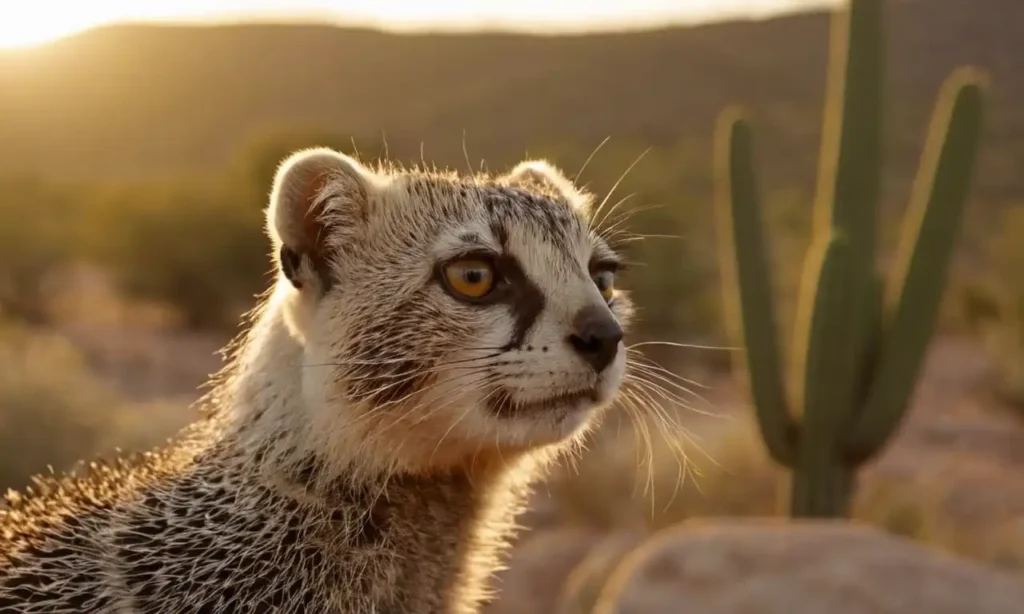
<point x="445" y="316"/>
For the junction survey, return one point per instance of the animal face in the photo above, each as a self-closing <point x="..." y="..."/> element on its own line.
<point x="455" y="314"/>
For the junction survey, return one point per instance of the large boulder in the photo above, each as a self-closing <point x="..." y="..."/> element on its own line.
<point x="583" y="586"/>
<point x="810" y="567"/>
<point x="538" y="568"/>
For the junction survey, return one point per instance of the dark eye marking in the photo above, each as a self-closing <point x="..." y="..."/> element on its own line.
<point x="612" y="265"/>
<point x="511" y="288"/>
<point x="525" y="302"/>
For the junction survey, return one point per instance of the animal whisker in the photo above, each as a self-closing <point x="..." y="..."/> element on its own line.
<point x="597" y="213"/>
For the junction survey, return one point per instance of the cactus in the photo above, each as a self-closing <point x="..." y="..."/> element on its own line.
<point x="860" y="343"/>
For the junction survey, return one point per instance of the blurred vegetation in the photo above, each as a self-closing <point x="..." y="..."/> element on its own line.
<point x="196" y="246"/>
<point x="38" y="236"/>
<point x="55" y="412"/>
<point x="47" y="394"/>
<point x="994" y="305"/>
<point x="630" y="485"/>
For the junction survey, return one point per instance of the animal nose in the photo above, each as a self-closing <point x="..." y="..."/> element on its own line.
<point x="596" y="335"/>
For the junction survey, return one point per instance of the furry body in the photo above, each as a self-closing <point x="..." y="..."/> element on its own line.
<point x="373" y="437"/>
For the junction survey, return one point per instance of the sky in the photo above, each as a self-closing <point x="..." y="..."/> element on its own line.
<point x="32" y="22"/>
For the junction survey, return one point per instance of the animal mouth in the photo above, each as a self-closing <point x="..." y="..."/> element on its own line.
<point x="502" y="404"/>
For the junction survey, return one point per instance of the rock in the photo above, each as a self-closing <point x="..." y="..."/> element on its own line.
<point x="809" y="567"/>
<point x="584" y="585"/>
<point x="537" y="570"/>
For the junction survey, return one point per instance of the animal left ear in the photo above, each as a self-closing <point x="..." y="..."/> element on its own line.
<point x="546" y="176"/>
<point x="319" y="197"/>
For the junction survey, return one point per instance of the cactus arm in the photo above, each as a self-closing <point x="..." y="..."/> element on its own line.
<point x="874" y="318"/>
<point x="851" y="145"/>
<point x="826" y="374"/>
<point x="821" y="482"/>
<point x="923" y="256"/>
<point x="850" y="172"/>
<point x="747" y="287"/>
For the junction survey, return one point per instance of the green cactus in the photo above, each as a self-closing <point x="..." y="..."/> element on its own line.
<point x="860" y="343"/>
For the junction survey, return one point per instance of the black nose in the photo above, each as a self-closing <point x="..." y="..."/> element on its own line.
<point x="596" y="336"/>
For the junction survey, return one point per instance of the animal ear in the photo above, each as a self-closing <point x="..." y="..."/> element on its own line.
<point x="545" y="176"/>
<point x="540" y="173"/>
<point x="315" y="193"/>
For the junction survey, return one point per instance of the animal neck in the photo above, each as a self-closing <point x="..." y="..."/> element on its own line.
<point x="435" y="533"/>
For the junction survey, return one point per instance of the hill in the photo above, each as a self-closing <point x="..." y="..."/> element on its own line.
<point x="132" y="101"/>
<point x="142" y="112"/>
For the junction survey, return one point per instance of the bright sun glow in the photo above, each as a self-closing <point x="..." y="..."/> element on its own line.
<point x="33" y="22"/>
<point x="38" y="21"/>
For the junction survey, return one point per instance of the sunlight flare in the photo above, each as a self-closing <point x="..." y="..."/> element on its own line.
<point x="42" y="21"/>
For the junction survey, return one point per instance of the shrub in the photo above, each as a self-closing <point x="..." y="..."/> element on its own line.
<point x="197" y="247"/>
<point x="52" y="412"/>
<point x="37" y="237"/>
<point x="1004" y="335"/>
<point x="55" y="412"/>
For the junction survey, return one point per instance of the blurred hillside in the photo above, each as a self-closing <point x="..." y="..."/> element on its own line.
<point x="142" y="100"/>
<point x="135" y="137"/>
<point x="153" y="147"/>
<point x="151" y="128"/>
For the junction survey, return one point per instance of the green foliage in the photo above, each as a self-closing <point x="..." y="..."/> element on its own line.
<point x="200" y="248"/>
<point x="1001" y="321"/>
<point x="858" y="346"/>
<point x="37" y="237"/>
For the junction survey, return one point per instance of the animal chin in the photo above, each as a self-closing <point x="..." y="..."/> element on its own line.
<point x="502" y="404"/>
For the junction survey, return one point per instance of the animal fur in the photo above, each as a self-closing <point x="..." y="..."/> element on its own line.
<point x="369" y="444"/>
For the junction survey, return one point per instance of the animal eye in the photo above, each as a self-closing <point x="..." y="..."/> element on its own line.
<point x="605" y="281"/>
<point x="470" y="278"/>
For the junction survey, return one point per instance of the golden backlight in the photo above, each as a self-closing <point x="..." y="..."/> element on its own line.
<point x="24" y="24"/>
<point x="29" y="23"/>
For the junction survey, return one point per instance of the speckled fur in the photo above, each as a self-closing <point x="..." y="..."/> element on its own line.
<point x="351" y="458"/>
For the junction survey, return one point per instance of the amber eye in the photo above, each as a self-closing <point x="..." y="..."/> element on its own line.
<point x="605" y="281"/>
<point x="471" y="278"/>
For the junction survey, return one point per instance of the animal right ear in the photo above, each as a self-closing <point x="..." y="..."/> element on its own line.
<point x="545" y="175"/>
<point x="542" y="173"/>
<point x="316" y="193"/>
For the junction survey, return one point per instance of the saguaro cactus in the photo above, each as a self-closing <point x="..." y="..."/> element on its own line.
<point x="860" y="342"/>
